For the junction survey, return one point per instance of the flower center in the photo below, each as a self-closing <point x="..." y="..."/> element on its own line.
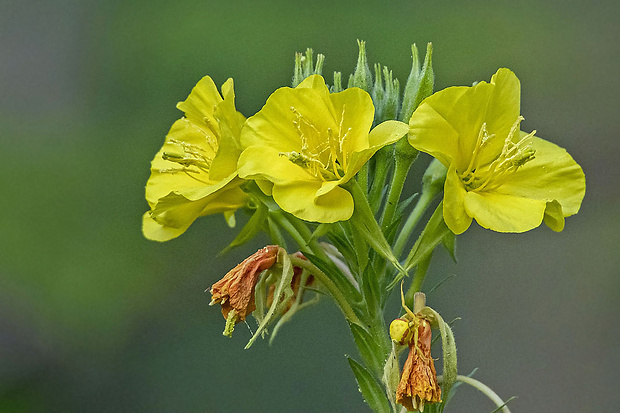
<point x="189" y="158"/>
<point x="513" y="156"/>
<point x="321" y="151"/>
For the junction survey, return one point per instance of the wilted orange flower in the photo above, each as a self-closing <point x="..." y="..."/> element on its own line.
<point x="236" y="290"/>
<point x="418" y="383"/>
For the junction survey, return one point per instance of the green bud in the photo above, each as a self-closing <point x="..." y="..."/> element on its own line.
<point x="304" y="66"/>
<point x="378" y="94"/>
<point x="392" y="95"/>
<point x="419" y="84"/>
<point x="337" y="83"/>
<point x="434" y="177"/>
<point x="362" y="77"/>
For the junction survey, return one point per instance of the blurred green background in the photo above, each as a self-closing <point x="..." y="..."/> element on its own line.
<point x="95" y="318"/>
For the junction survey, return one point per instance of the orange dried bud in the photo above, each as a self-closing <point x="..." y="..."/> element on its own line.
<point x="295" y="285"/>
<point x="236" y="290"/>
<point x="418" y="383"/>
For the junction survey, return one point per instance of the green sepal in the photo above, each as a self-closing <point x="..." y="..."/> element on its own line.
<point x="281" y="294"/>
<point x="249" y="231"/>
<point x="370" y="388"/>
<point x="366" y="224"/>
<point x="448" y="347"/>
<point x="297" y="306"/>
<point x="434" y="232"/>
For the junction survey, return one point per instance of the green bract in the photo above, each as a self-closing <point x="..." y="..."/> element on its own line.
<point x="195" y="172"/>
<point x="508" y="180"/>
<point x="305" y="142"/>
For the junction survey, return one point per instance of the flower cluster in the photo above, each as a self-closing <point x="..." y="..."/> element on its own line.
<point x="325" y="166"/>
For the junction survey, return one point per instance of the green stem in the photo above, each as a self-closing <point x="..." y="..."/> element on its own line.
<point x="396" y="188"/>
<point x="484" y="389"/>
<point x="331" y="287"/>
<point x="362" y="177"/>
<point x="378" y="182"/>
<point x="421" y="207"/>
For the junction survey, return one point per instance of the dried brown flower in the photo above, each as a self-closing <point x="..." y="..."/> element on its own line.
<point x="236" y="290"/>
<point x="418" y="382"/>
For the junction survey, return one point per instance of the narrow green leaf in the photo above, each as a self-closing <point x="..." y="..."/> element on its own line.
<point x="364" y="342"/>
<point x="370" y="388"/>
<point x="364" y="221"/>
<point x="249" y="231"/>
<point x="275" y="234"/>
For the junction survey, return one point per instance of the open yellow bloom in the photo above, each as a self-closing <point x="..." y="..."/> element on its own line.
<point x="305" y="142"/>
<point x="195" y="172"/>
<point x="505" y="179"/>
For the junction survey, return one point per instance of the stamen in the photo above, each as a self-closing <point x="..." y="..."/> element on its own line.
<point x="512" y="157"/>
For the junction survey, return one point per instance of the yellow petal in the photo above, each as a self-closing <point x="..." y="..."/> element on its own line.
<point x="354" y="114"/>
<point x="299" y="199"/>
<point x="275" y="124"/>
<point x="454" y="213"/>
<point x="200" y="103"/>
<point x="430" y="129"/>
<point x="271" y="164"/>
<point x="383" y="134"/>
<point x="551" y="175"/>
<point x="504" y="213"/>
<point x="230" y="122"/>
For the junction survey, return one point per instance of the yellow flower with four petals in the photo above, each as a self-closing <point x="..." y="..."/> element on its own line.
<point x="505" y="179"/>
<point x="306" y="142"/>
<point x="195" y="172"/>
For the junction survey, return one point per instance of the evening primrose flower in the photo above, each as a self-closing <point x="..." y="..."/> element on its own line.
<point x="305" y="143"/>
<point x="505" y="179"/>
<point x="195" y="172"/>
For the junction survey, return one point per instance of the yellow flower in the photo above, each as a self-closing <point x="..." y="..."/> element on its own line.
<point x="306" y="142"/>
<point x="505" y="179"/>
<point x="195" y="172"/>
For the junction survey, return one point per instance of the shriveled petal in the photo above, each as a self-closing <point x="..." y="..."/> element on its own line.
<point x="383" y="134"/>
<point x="552" y="175"/>
<point x="454" y="213"/>
<point x="300" y="199"/>
<point x="504" y="213"/>
<point x="354" y="115"/>
<point x="271" y="164"/>
<point x="430" y="127"/>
